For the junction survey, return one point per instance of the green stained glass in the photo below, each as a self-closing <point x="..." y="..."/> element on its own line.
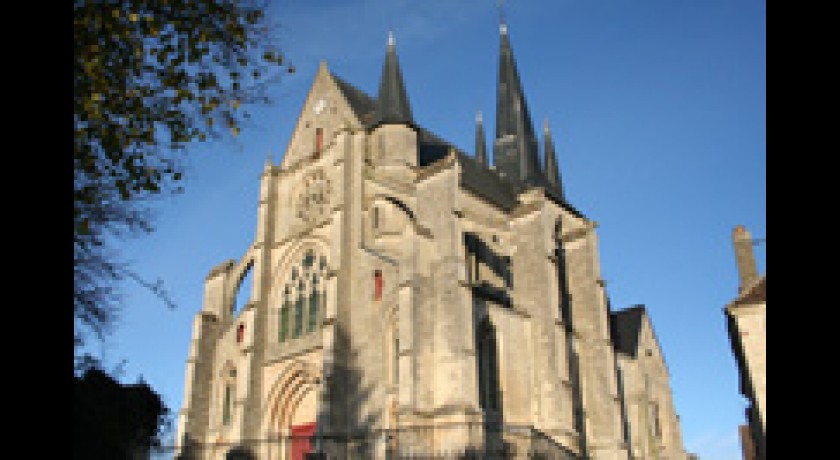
<point x="313" y="310"/>
<point x="284" y="322"/>
<point x="308" y="260"/>
<point x="298" y="317"/>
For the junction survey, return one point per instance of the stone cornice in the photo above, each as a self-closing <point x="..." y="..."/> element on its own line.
<point x="578" y="233"/>
<point x="221" y="268"/>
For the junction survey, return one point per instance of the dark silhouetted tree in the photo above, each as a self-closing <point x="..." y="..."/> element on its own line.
<point x="112" y="420"/>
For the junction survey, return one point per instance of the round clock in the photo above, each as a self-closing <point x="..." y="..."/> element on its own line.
<point x="320" y="106"/>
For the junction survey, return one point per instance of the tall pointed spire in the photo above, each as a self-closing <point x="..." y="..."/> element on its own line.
<point x="552" y="173"/>
<point x="392" y="101"/>
<point x="480" y="146"/>
<point x="515" y="149"/>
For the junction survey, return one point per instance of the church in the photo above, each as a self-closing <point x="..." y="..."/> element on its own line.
<point x="411" y="300"/>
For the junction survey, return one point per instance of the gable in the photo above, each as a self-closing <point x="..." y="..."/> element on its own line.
<point x="327" y="108"/>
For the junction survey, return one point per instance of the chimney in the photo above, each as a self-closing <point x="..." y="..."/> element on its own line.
<point x="747" y="269"/>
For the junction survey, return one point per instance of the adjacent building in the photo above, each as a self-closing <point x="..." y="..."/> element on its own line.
<point x="651" y="424"/>
<point x="410" y="299"/>
<point x="746" y="321"/>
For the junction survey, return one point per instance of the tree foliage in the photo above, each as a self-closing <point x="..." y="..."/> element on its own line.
<point x="112" y="420"/>
<point x="150" y="77"/>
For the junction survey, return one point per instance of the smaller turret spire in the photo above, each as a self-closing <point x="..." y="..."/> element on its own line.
<point x="515" y="148"/>
<point x="392" y="100"/>
<point x="502" y="24"/>
<point x="552" y="172"/>
<point x="480" y="146"/>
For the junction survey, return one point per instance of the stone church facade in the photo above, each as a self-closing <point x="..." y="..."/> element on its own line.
<point x="409" y="299"/>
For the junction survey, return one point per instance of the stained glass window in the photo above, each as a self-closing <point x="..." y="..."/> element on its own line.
<point x="309" y="260"/>
<point x="284" y="322"/>
<point x="313" y="304"/>
<point x="298" y="316"/>
<point x="304" y="297"/>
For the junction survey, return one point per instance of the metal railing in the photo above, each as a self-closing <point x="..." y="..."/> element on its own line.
<point x="454" y="441"/>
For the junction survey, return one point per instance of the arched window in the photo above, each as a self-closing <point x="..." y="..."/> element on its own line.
<point x="298" y="314"/>
<point x="313" y="303"/>
<point x="284" y="321"/>
<point x="304" y="296"/>
<point x="488" y="368"/>
<point x="227" y="393"/>
<point x="226" y="405"/>
<point x="396" y="362"/>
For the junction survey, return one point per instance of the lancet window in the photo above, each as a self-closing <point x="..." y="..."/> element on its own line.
<point x="488" y="366"/>
<point x="304" y="297"/>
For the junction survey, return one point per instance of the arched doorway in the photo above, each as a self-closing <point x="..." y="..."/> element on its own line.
<point x="291" y="416"/>
<point x="302" y="426"/>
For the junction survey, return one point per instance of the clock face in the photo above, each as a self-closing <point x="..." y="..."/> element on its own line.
<point x="320" y="106"/>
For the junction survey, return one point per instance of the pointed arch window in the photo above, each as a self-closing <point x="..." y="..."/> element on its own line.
<point x="488" y="366"/>
<point x="284" y="321"/>
<point x="313" y="304"/>
<point x="226" y="405"/>
<point x="396" y="362"/>
<point x="303" y="297"/>
<point x="298" y="316"/>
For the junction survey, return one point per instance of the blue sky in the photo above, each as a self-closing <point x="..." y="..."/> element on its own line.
<point x="657" y="110"/>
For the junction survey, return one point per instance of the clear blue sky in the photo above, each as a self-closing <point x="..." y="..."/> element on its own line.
<point x="657" y="109"/>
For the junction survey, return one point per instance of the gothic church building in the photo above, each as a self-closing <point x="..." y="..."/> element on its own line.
<point x="409" y="299"/>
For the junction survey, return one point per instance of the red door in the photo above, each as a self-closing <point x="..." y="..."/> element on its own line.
<point x="301" y="440"/>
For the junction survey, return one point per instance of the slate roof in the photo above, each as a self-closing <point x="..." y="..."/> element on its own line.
<point x="755" y="293"/>
<point x="362" y="105"/>
<point x="477" y="178"/>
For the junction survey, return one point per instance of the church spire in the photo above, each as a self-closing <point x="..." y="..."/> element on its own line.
<point x="480" y="146"/>
<point x="392" y="101"/>
<point x="551" y="171"/>
<point x="515" y="149"/>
